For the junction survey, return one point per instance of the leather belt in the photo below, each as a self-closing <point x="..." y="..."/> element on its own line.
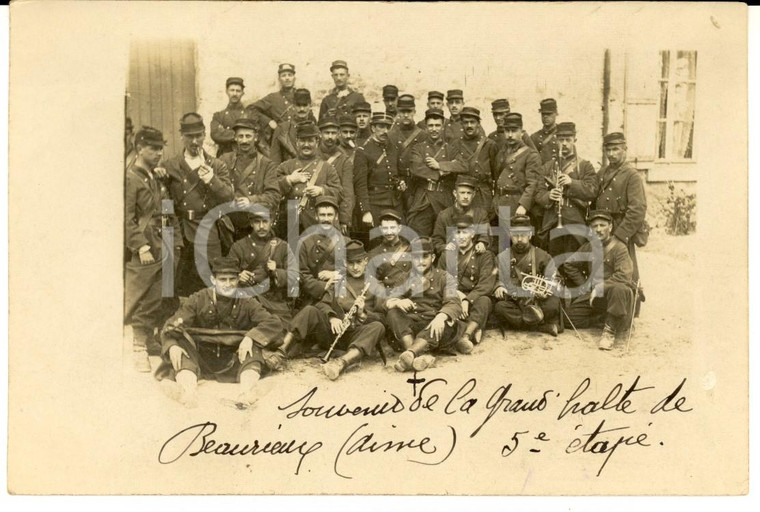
<point x="379" y="188"/>
<point x="192" y="214"/>
<point x="434" y="186"/>
<point x="509" y="191"/>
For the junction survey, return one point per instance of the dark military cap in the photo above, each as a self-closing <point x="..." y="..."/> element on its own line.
<point x="405" y="102"/>
<point x="434" y="112"/>
<point x="500" y="105"/>
<point x="389" y="214"/>
<point x="286" y="68"/>
<point x="224" y="265"/>
<point x="326" y="201"/>
<point x="346" y="120"/>
<point x="466" y="181"/>
<point x="129" y="126"/>
<point x="614" y="138"/>
<point x="339" y="64"/>
<point x="148" y="136"/>
<point x="328" y="122"/>
<point x="422" y="245"/>
<point x="390" y="92"/>
<point x="599" y="214"/>
<point x="235" y="80"/>
<point x="301" y="97"/>
<point x="258" y="212"/>
<point x="548" y="106"/>
<point x="306" y="129"/>
<point x="247" y="123"/>
<point x="381" y="118"/>
<point x="435" y="94"/>
<point x="191" y="123"/>
<point x="355" y="250"/>
<point x="566" y="128"/>
<point x="362" y="106"/>
<point x="462" y="221"/>
<point x="454" y="94"/>
<point x="470" y="112"/>
<point x="520" y="223"/>
<point x="513" y="120"/>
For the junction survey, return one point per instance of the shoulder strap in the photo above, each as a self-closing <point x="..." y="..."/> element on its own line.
<point x="398" y="253"/>
<point x="333" y="158"/>
<point x="410" y="139"/>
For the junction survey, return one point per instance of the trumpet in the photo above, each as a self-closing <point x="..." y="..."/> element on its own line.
<point x="540" y="285"/>
<point x="557" y="172"/>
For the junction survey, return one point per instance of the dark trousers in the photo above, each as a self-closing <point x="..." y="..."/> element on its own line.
<point x="312" y="324"/>
<point x="479" y="311"/>
<point x="187" y="280"/>
<point x="212" y="361"/>
<point x="403" y="324"/>
<point x="509" y="311"/>
<point x="614" y="308"/>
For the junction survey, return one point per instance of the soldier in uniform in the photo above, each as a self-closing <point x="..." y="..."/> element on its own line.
<point x="453" y="129"/>
<point x="390" y="259"/>
<point x="568" y="184"/>
<point x="376" y="178"/>
<point x="360" y="336"/>
<point x="476" y="279"/>
<point x="606" y="287"/>
<point x="514" y="307"/>
<point x="481" y="155"/>
<point x="390" y="99"/>
<point x="253" y="176"/>
<point x="216" y="334"/>
<point x="405" y="134"/>
<point x="342" y="98"/>
<point x="266" y="264"/>
<point x="434" y="169"/>
<point x="197" y="183"/>
<point x="464" y="191"/>
<point x="284" y="138"/>
<point x="144" y="222"/>
<point x="276" y="107"/>
<point x="329" y="150"/>
<point x="221" y="123"/>
<point x="347" y="139"/>
<point x="306" y="177"/>
<point x="434" y="101"/>
<point x="499" y="110"/>
<point x="428" y="321"/>
<point x="519" y="168"/>
<point x="545" y="139"/>
<point x="362" y="112"/>
<point x="622" y="194"/>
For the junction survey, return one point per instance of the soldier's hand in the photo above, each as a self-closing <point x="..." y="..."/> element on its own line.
<point x="298" y="176"/>
<point x="160" y="172"/>
<point x="367" y="218"/>
<point x="438" y="325"/>
<point x="313" y="191"/>
<point x="521" y="210"/>
<point x="432" y="163"/>
<point x="273" y="124"/>
<point x="175" y="356"/>
<point x="402" y="185"/>
<point x="344" y="229"/>
<point x="405" y="305"/>
<point x="360" y="303"/>
<point x="271" y="265"/>
<point x="245" y="349"/>
<point x="146" y="258"/>
<point x="335" y="325"/>
<point x="451" y="246"/>
<point x="480" y="248"/>
<point x="564" y="180"/>
<point x="500" y="293"/>
<point x="465" y="309"/>
<point x="242" y="202"/>
<point x="555" y="194"/>
<point x="246" y="277"/>
<point x="205" y="173"/>
<point x="326" y="275"/>
<point x="596" y="292"/>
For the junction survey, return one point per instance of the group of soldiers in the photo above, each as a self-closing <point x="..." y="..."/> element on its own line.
<point x="413" y="234"/>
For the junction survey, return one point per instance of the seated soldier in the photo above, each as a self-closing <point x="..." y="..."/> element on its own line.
<point x="216" y="334"/>
<point x="390" y="259"/>
<point x="476" y="278"/>
<point x="517" y="307"/>
<point x="464" y="191"/>
<point x="359" y="335"/>
<point x="606" y="290"/>
<point x="425" y="321"/>
<point x="261" y="257"/>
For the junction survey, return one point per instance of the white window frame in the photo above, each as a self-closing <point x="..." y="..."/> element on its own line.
<point x="670" y="117"/>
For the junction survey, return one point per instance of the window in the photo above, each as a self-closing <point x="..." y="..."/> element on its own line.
<point x="675" y="123"/>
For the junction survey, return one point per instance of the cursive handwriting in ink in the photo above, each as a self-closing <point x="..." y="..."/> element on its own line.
<point x="200" y="437"/>
<point x="612" y="401"/>
<point x="499" y="401"/>
<point x="302" y="407"/>
<point x="598" y="445"/>
<point x="665" y="405"/>
<point x="367" y="443"/>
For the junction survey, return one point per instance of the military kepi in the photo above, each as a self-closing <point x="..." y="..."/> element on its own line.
<point x="381" y="118"/>
<point x="454" y="94"/>
<point x="224" y="265"/>
<point x="286" y="68"/>
<point x="405" y="102"/>
<point x="548" y="106"/>
<point x="614" y="138"/>
<point x="464" y="180"/>
<point x="301" y="97"/>
<point x="566" y="128"/>
<point x="390" y="92"/>
<point x="339" y="64"/>
<point x="149" y="136"/>
<point x="500" y="105"/>
<point x="520" y="223"/>
<point x="436" y="113"/>
<point x="235" y="80"/>
<point x="470" y="112"/>
<point x="306" y="129"/>
<point x="599" y="214"/>
<point x="422" y="245"/>
<point x="245" y="122"/>
<point x="513" y="120"/>
<point x="462" y="220"/>
<point x="326" y="201"/>
<point x="355" y="250"/>
<point x="390" y="214"/>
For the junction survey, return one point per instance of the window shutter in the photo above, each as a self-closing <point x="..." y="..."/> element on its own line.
<point x="642" y="94"/>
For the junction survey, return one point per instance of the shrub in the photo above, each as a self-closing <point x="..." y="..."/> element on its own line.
<point x="680" y="211"/>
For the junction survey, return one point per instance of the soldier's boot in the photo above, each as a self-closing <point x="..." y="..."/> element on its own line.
<point x="477" y="336"/>
<point x="140" y="349"/>
<point x="276" y="359"/>
<point x="549" y="328"/>
<point x="607" y="340"/>
<point x="464" y="344"/>
<point x="154" y="343"/>
<point x="252" y="388"/>
<point x="406" y="358"/>
<point x="332" y="369"/>
<point x="422" y="360"/>
<point x="184" y="389"/>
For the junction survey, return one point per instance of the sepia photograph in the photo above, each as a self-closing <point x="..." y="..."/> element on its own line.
<point x="492" y="249"/>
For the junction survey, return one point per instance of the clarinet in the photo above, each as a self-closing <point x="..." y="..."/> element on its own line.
<point x="346" y="322"/>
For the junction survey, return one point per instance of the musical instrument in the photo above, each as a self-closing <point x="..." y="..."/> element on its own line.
<point x="557" y="173"/>
<point x="540" y="285"/>
<point x="346" y="322"/>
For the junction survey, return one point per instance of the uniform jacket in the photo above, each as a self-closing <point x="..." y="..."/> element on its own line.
<point x="521" y="265"/>
<point x="245" y="314"/>
<point x="362" y="136"/>
<point x="275" y="106"/>
<point x="498" y="137"/>
<point x="405" y="140"/>
<point x="283" y="145"/>
<point x="221" y="127"/>
<point x="621" y="192"/>
<point x="451" y="164"/>
<point x="335" y="306"/>
<point x="545" y="142"/>
<point x="255" y="177"/>
<point x="482" y="164"/>
<point x="438" y="296"/>
<point x="476" y="276"/>
<point x="392" y="262"/>
<point x="344" y="166"/>
<point x="190" y="193"/>
<point x="143" y="212"/>
<point x="617" y="267"/>
<point x="376" y="175"/>
<point x="327" y="179"/>
<point x="445" y="220"/>
<point x="518" y="172"/>
<point x="337" y="106"/>
<point x="578" y="194"/>
<point x="316" y="253"/>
